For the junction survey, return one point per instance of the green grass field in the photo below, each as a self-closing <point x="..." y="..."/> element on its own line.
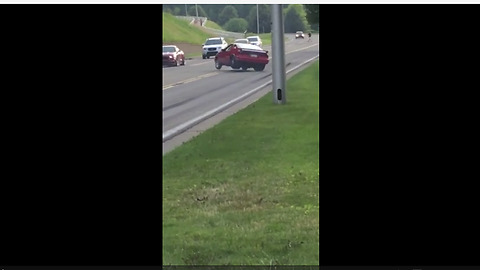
<point x="266" y="37"/>
<point x="191" y="55"/>
<point x="246" y="192"/>
<point x="176" y="30"/>
<point x="212" y="24"/>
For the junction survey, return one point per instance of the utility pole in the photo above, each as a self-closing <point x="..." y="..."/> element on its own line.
<point x="186" y="13"/>
<point x="258" y="24"/>
<point x="196" y="8"/>
<point x="278" y="56"/>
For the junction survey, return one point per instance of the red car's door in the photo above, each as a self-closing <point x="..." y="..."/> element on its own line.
<point x="233" y="51"/>
<point x="224" y="56"/>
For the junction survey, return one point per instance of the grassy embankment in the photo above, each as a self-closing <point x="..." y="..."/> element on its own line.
<point x="247" y="190"/>
<point x="212" y="24"/>
<point x="177" y="30"/>
<point x="266" y="37"/>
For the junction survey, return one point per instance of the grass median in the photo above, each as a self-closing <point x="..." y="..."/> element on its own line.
<point x="246" y="192"/>
<point x="266" y="37"/>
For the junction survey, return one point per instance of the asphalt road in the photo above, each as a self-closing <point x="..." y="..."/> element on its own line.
<point x="197" y="87"/>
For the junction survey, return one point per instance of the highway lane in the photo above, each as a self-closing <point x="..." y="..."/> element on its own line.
<point x="193" y="68"/>
<point x="198" y="87"/>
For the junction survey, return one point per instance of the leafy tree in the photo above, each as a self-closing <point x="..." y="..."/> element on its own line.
<point x="265" y="19"/>
<point x="167" y="10"/>
<point x="178" y="11"/>
<point x="229" y="12"/>
<point x="243" y="10"/>
<point x="295" y="20"/>
<point x="236" y="25"/>
<point x="192" y="11"/>
<point x="300" y="9"/>
<point x="292" y="21"/>
<point x="201" y="11"/>
<point x="313" y="14"/>
<point x="213" y="11"/>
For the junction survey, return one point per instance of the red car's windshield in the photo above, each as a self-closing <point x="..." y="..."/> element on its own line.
<point x="168" y="49"/>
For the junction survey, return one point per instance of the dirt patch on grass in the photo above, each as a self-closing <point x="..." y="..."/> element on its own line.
<point x="187" y="48"/>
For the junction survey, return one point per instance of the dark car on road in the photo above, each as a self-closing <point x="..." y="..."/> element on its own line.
<point x="240" y="55"/>
<point x="173" y="56"/>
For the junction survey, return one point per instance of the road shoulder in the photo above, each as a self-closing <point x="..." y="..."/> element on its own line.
<point x="194" y="131"/>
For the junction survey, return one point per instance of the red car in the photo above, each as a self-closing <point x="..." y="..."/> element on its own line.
<point x="240" y="55"/>
<point x="173" y="56"/>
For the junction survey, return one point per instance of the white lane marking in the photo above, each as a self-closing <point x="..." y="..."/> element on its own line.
<point x="190" y="80"/>
<point x="303" y="48"/>
<point x="180" y="128"/>
<point x="201" y="64"/>
<point x="270" y="58"/>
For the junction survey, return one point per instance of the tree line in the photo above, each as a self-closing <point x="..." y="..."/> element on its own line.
<point x="238" y="18"/>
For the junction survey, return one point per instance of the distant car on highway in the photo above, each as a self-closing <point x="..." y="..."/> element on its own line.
<point x="239" y="55"/>
<point x="212" y="46"/>
<point x="255" y="40"/>
<point x="299" y="34"/>
<point x="242" y="40"/>
<point x="173" y="56"/>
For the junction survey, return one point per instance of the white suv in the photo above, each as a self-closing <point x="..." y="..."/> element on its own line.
<point x="255" y="40"/>
<point x="213" y="46"/>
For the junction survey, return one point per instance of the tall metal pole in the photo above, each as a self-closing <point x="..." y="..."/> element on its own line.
<point x="196" y="8"/>
<point x="186" y="13"/>
<point x="258" y="24"/>
<point x="278" y="56"/>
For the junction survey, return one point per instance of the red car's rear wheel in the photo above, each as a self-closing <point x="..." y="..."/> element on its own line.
<point x="233" y="62"/>
<point x="217" y="64"/>
<point x="259" y="67"/>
